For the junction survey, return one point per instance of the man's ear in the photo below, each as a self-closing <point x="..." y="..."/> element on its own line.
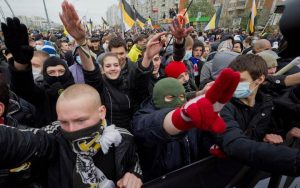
<point x="102" y="112"/>
<point x="260" y="80"/>
<point x="2" y="109"/>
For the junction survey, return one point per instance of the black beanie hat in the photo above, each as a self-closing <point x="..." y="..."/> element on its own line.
<point x="66" y="79"/>
<point x="54" y="61"/>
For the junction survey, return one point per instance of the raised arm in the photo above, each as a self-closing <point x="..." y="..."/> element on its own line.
<point x="179" y="32"/>
<point x="72" y="23"/>
<point x="16" y="40"/>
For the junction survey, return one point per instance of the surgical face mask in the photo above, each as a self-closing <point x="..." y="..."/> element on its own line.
<point x="36" y="73"/>
<point x="105" y="47"/>
<point x="243" y="90"/>
<point x="188" y="55"/>
<point x="38" y="47"/>
<point x="78" y="60"/>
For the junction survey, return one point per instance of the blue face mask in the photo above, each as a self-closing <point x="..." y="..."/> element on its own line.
<point x="188" y="55"/>
<point x="243" y="90"/>
<point x="78" y="60"/>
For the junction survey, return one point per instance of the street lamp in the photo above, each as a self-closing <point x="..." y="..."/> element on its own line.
<point x="12" y="12"/>
<point x="49" y="26"/>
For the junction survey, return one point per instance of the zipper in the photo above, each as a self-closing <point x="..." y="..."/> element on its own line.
<point x="188" y="150"/>
<point x="110" y="106"/>
<point x="128" y="101"/>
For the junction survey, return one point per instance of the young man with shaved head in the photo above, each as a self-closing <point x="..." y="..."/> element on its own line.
<point x="81" y="151"/>
<point x="261" y="45"/>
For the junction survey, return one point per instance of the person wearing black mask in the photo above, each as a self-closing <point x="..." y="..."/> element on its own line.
<point x="56" y="74"/>
<point x="79" y="150"/>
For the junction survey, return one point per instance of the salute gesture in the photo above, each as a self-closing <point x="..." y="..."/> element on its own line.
<point x="16" y="40"/>
<point x="178" y="29"/>
<point x="72" y="23"/>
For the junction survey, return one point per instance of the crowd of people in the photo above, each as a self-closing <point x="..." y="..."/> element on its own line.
<point x="103" y="111"/>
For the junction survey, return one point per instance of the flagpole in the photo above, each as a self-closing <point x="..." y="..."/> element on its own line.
<point x="122" y="23"/>
<point x="182" y="16"/>
<point x="11" y="10"/>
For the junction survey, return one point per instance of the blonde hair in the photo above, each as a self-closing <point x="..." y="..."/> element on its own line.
<point x="80" y="91"/>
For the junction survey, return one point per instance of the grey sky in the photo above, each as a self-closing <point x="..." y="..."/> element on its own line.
<point x="94" y="9"/>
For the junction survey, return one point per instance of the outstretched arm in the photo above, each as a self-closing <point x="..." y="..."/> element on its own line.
<point x="18" y="147"/>
<point x="202" y="112"/>
<point x="73" y="25"/>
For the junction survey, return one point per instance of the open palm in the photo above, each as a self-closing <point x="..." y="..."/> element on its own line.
<point x="72" y="23"/>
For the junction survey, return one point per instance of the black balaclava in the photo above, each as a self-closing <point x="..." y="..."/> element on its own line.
<point x="65" y="79"/>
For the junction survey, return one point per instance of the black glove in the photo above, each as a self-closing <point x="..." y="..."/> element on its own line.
<point x="16" y="40"/>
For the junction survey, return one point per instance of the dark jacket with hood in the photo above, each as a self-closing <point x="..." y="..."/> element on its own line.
<point x="120" y="99"/>
<point x="43" y="98"/>
<point x="159" y="152"/>
<point x="243" y="143"/>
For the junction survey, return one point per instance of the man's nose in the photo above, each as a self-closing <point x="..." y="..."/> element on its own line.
<point x="56" y="74"/>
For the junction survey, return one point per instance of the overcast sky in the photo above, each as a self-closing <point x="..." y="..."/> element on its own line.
<point x="94" y="9"/>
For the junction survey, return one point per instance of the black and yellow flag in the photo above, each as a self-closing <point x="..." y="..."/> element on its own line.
<point x="104" y="21"/>
<point x="141" y="21"/>
<point x="214" y="21"/>
<point x="128" y="15"/>
<point x="251" y="22"/>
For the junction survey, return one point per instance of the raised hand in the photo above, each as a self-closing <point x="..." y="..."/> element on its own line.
<point x="72" y="23"/>
<point x="154" y="45"/>
<point x="16" y="40"/>
<point x="202" y="111"/>
<point x="178" y="29"/>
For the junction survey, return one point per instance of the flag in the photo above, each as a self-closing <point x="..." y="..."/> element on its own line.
<point x="141" y="21"/>
<point x="186" y="15"/>
<point x="214" y="21"/>
<point x="251" y="23"/>
<point x="104" y="21"/>
<point x="65" y="32"/>
<point x="181" y="4"/>
<point x="149" y="23"/>
<point x="128" y="15"/>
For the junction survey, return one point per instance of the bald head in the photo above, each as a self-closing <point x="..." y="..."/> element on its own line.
<point x="261" y="45"/>
<point x="79" y="107"/>
<point x="80" y="93"/>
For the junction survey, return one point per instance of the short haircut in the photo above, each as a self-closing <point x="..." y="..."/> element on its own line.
<point x="255" y="65"/>
<point x="116" y="42"/>
<point x="41" y="53"/>
<point x="4" y="95"/>
<point x="197" y="44"/>
<point x="140" y="38"/>
<point x="248" y="40"/>
<point x="261" y="45"/>
<point x="80" y="91"/>
<point x="60" y="42"/>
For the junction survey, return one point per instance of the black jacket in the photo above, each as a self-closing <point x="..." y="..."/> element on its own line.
<point x="287" y="110"/>
<point x="255" y="121"/>
<point x="242" y="142"/>
<point x="128" y="73"/>
<point x="43" y="98"/>
<point x="52" y="155"/>
<point x="20" y="113"/>
<point x="159" y="152"/>
<point x="120" y="99"/>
